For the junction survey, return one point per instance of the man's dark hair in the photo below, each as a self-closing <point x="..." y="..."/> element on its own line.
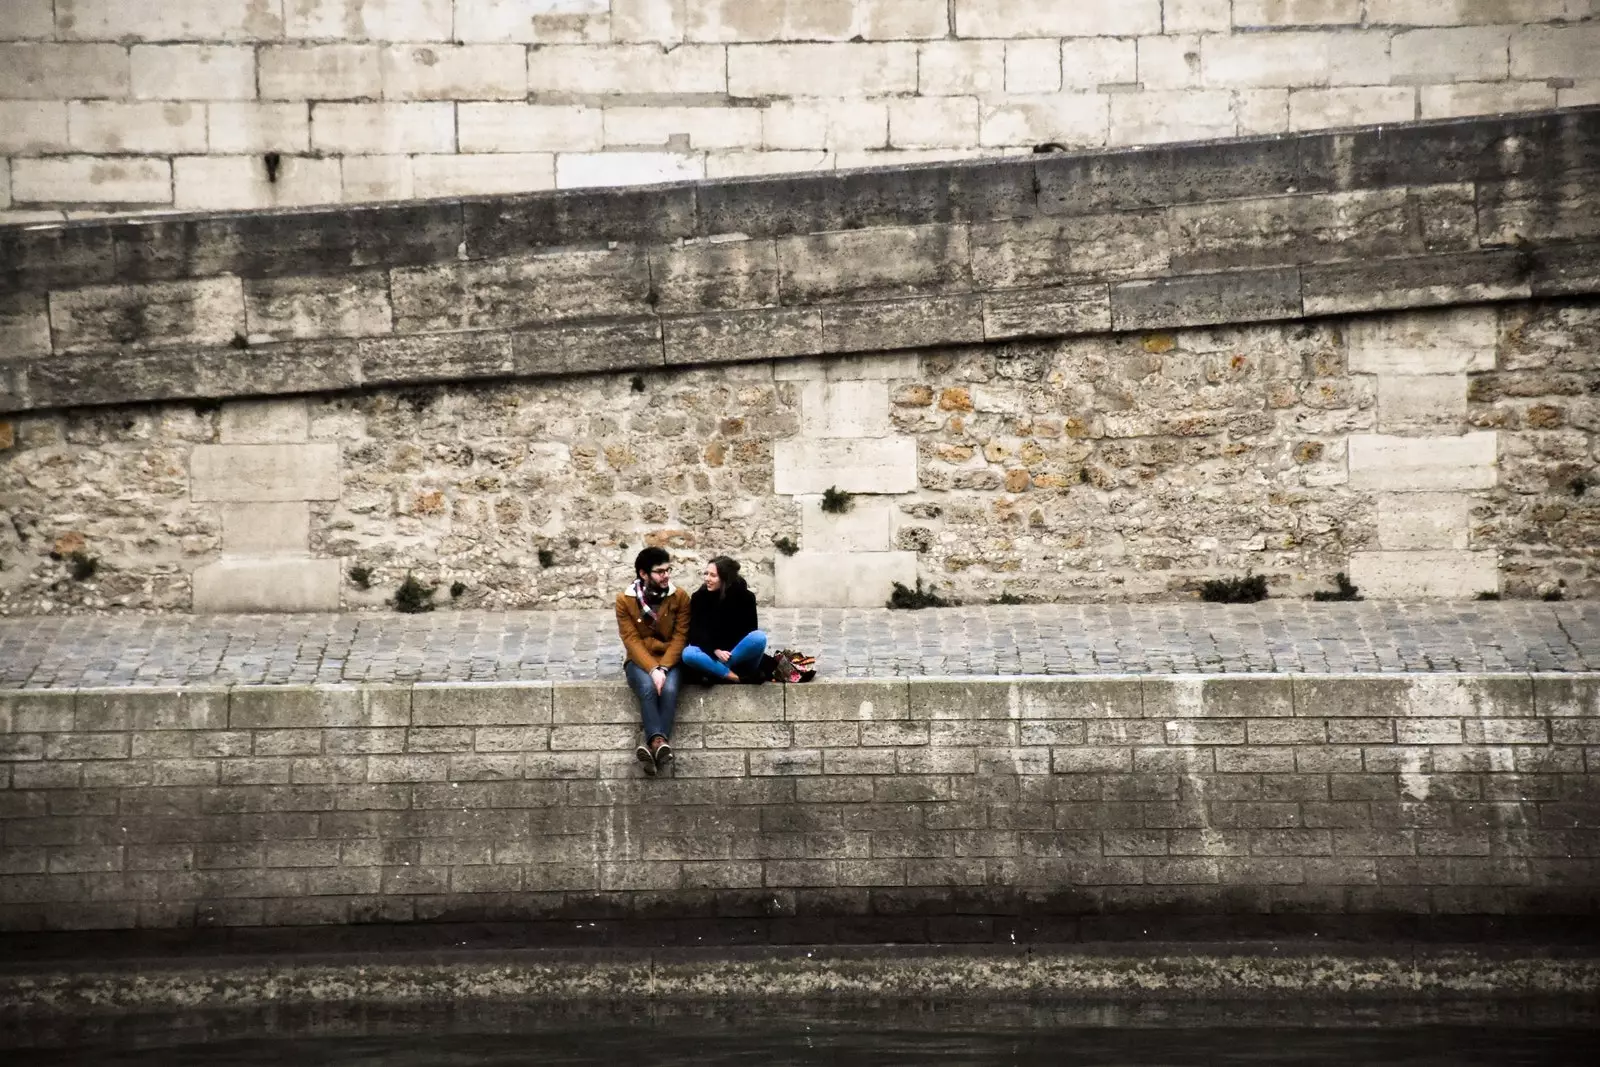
<point x="649" y="559"/>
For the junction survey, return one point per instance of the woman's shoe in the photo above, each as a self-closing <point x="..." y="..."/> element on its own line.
<point x="647" y="758"/>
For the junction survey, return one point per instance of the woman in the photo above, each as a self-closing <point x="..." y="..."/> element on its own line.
<point x="724" y="644"/>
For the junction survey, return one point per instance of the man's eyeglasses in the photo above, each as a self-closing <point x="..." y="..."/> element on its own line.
<point x="661" y="570"/>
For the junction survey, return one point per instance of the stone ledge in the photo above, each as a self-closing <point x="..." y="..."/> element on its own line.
<point x="983" y="252"/>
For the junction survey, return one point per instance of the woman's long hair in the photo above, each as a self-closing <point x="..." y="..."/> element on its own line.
<point x="728" y="572"/>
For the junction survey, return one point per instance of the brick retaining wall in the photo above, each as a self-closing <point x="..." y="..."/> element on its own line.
<point x="907" y="809"/>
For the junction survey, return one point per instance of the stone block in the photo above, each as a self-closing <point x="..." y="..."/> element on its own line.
<point x="1485" y="98"/>
<point x="1052" y="249"/>
<point x="532" y="21"/>
<point x="152" y="709"/>
<point x="483" y="704"/>
<point x="933" y="122"/>
<point x="1566" y="696"/>
<point x="1093" y="62"/>
<point x="1187" y="174"/>
<point x="37" y="711"/>
<point x="261" y="422"/>
<point x="283" y="583"/>
<point x="522" y="127"/>
<point x="1076" y="120"/>
<point x="29" y="127"/>
<point x="265" y="473"/>
<point x="1026" y="700"/>
<point x="699" y="127"/>
<point x="582" y="348"/>
<point x="737" y="336"/>
<point x="486" y="175"/>
<point x="628" y="69"/>
<point x="874" y="263"/>
<point x="854" y="70"/>
<point x="256" y="128"/>
<point x="878" y="700"/>
<point x="864" y="528"/>
<point x="511" y="292"/>
<point x="1541" y="210"/>
<point x="1055" y="312"/>
<point x="1205" y="299"/>
<point x="219" y="183"/>
<point x="710" y="705"/>
<point x="174" y="20"/>
<point x="1305" y="228"/>
<point x="104" y="126"/>
<point x="1539" y="52"/>
<point x="1271" y="14"/>
<point x="371" y="178"/>
<point x="841" y="579"/>
<point x="1425" y="281"/>
<point x="1410" y="522"/>
<point x="1453" y="54"/>
<point x="1430" y="403"/>
<point x="878" y="465"/>
<point x="24" y="326"/>
<point x="885" y="325"/>
<point x="576" y="170"/>
<point x="1033" y="66"/>
<point x="354" y="304"/>
<point x="322" y="72"/>
<point x="1425" y="574"/>
<point x="1464" y="12"/>
<point x="370" y="20"/>
<point x="961" y="68"/>
<point x="1048" y="18"/>
<point x="156" y="315"/>
<point x="844" y="409"/>
<point x="266" y="529"/>
<point x="1472" y="696"/>
<point x="91" y="180"/>
<point x="30" y="19"/>
<point x="454" y="72"/>
<point x="1217" y="698"/>
<point x="193" y="72"/>
<point x="1320" y="109"/>
<point x="376" y="129"/>
<point x="1427" y="464"/>
<point x="715" y="275"/>
<point x="47" y="71"/>
<point x="1177" y="115"/>
<point x="1455" y="341"/>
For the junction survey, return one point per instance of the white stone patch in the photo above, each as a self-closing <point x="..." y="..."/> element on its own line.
<point x="844" y="409"/>
<point x="864" y="528"/>
<point x="1425" y="575"/>
<point x="841" y="579"/>
<point x="1409" y="522"/>
<point x="875" y="465"/>
<point x="1380" y="461"/>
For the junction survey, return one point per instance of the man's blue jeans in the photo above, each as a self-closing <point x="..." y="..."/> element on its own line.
<point x="742" y="661"/>
<point x="658" y="710"/>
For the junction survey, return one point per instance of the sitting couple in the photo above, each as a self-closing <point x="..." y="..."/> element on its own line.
<point x="713" y="633"/>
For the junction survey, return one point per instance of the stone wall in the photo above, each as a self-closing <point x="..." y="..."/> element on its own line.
<point x="1441" y="453"/>
<point x="107" y="106"/>
<point x="887" y="810"/>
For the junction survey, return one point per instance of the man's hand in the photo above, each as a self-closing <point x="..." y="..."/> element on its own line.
<point x="659" y="676"/>
<point x="723" y="656"/>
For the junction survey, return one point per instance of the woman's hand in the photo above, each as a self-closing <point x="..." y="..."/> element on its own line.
<point x="723" y="656"/>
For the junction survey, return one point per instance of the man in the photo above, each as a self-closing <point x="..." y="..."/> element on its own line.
<point x="653" y="621"/>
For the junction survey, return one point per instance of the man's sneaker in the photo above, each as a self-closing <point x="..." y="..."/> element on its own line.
<point x="663" y="754"/>
<point x="649" y="761"/>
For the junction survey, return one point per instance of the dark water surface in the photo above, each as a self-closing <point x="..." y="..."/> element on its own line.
<point x="712" y="1034"/>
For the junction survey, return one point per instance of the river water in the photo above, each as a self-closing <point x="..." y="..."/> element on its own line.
<point x="711" y="1034"/>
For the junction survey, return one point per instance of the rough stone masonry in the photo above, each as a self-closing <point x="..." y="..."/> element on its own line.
<point x="1100" y="376"/>
<point x="112" y="106"/>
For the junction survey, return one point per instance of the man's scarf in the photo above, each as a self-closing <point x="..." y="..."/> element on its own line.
<point x="649" y="597"/>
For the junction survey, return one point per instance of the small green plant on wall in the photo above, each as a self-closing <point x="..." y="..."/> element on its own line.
<point x="836" y="501"/>
<point x="413" y="598"/>
<point x="904" y="598"/>
<point x="361" y="577"/>
<point x="1247" y="590"/>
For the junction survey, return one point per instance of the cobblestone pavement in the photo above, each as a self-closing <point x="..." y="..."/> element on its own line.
<point x="1285" y="636"/>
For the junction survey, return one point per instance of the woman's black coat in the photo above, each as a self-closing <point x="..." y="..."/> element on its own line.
<point x="717" y="622"/>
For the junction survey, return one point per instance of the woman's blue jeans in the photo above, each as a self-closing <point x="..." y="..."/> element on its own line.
<point x="658" y="710"/>
<point x="742" y="660"/>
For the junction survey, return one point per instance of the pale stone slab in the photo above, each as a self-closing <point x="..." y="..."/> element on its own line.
<point x="1454" y="341"/>
<point x="961" y="68"/>
<point x="218" y="183"/>
<point x="313" y="306"/>
<point x="505" y="127"/>
<point x="101" y="318"/>
<point x="193" y="72"/>
<point x="628" y="69"/>
<point x="91" y="180"/>
<point x="1320" y="109"/>
<point x="1422" y="402"/>
<point x="287" y="584"/>
<point x="533" y="21"/>
<point x="578" y="170"/>
<point x="376" y="129"/>
<point x="371" y="20"/>
<point x="1379" y="461"/>
<point x="264" y="422"/>
<point x="454" y="72"/>
<point x="864" y="528"/>
<point x="31" y="126"/>
<point x="881" y="465"/>
<point x="266" y="529"/>
<point x="854" y="70"/>
<point x="256" y="128"/>
<point x="45" y="71"/>
<point x="1179" y="115"/>
<point x="844" y="409"/>
<point x="483" y="175"/>
<point x="841" y="579"/>
<point x="1072" y="119"/>
<point x="155" y="128"/>
<point x="1053" y="18"/>
<point x="323" y="71"/>
<point x="1409" y="522"/>
<point x="1438" y="574"/>
<point x="265" y="473"/>
<point x="171" y="20"/>
<point x="1453" y="54"/>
